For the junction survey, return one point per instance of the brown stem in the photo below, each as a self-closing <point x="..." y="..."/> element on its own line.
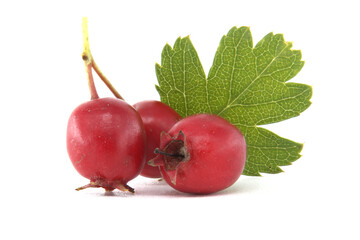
<point x="105" y="80"/>
<point x="158" y="151"/>
<point x="93" y="92"/>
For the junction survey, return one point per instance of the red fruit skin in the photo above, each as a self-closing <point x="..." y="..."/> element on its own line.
<point x="157" y="117"/>
<point x="106" y="141"/>
<point x="217" y="152"/>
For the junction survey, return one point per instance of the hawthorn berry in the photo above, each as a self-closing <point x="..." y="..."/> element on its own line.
<point x="157" y="117"/>
<point x="106" y="143"/>
<point x="105" y="136"/>
<point x="201" y="154"/>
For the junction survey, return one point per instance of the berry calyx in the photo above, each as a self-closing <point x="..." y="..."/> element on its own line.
<point x="172" y="154"/>
<point x="109" y="186"/>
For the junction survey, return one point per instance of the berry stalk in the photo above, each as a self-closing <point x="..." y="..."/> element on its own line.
<point x="90" y="64"/>
<point x="86" y="56"/>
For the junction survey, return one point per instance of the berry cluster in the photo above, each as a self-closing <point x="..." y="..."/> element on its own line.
<point x="111" y="142"/>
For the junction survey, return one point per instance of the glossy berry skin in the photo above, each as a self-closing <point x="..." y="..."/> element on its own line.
<point x="106" y="143"/>
<point x="157" y="117"/>
<point x="201" y="154"/>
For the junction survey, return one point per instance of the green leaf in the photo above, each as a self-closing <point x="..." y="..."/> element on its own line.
<point x="246" y="85"/>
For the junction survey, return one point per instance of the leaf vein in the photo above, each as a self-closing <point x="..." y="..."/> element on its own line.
<point x="252" y="83"/>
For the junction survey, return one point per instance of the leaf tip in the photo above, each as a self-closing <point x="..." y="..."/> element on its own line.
<point x="236" y="29"/>
<point x="270" y="34"/>
<point x="159" y="90"/>
<point x="242" y="27"/>
<point x="167" y="46"/>
<point x="302" y="62"/>
<point x="299" y="155"/>
<point x="157" y="65"/>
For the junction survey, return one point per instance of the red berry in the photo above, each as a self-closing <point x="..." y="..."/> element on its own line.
<point x="157" y="117"/>
<point x="201" y="154"/>
<point x="106" y="143"/>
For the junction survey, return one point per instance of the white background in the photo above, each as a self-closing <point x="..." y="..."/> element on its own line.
<point x="42" y="79"/>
